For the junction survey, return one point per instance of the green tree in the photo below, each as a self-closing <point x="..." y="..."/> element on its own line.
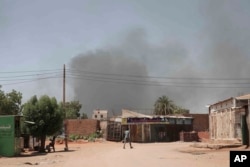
<point x="72" y="109"/>
<point x="10" y="103"/>
<point x="84" y="116"/>
<point x="46" y="115"/>
<point x="179" y="110"/>
<point x="163" y="106"/>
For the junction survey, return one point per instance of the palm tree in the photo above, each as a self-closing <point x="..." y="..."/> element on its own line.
<point x="164" y="106"/>
<point x="180" y="110"/>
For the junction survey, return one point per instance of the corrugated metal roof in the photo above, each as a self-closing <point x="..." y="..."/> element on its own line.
<point x="221" y="101"/>
<point x="132" y="114"/>
<point x="244" y="97"/>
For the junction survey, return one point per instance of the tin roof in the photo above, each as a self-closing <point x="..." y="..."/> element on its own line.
<point x="244" y="97"/>
<point x="132" y="114"/>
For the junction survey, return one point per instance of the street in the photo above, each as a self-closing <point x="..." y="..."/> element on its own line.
<point x="112" y="154"/>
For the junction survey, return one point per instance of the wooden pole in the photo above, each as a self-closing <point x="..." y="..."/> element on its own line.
<point x="65" y="122"/>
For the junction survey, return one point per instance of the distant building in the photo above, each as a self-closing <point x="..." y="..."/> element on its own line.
<point x="147" y="128"/>
<point x="229" y="119"/>
<point x="100" y="114"/>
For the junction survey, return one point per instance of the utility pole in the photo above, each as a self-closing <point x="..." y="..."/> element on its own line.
<point x="64" y="110"/>
<point x="165" y="107"/>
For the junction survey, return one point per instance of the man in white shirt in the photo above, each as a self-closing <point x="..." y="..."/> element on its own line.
<point x="127" y="138"/>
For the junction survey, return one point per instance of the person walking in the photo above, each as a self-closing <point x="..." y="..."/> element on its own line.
<point x="127" y="138"/>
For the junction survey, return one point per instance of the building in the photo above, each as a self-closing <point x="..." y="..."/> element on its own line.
<point x="200" y="125"/>
<point x="146" y="128"/>
<point x="100" y="114"/>
<point x="229" y="119"/>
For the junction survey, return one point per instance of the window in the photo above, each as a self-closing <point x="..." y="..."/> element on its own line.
<point x="179" y="121"/>
<point x="187" y="121"/>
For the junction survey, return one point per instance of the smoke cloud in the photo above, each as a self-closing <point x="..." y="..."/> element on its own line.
<point x="104" y="87"/>
<point x="224" y="54"/>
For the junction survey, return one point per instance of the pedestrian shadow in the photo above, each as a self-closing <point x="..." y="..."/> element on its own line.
<point x="32" y="153"/>
<point x="37" y="153"/>
<point x="63" y="151"/>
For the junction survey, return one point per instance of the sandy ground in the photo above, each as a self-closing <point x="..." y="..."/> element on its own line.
<point x="112" y="154"/>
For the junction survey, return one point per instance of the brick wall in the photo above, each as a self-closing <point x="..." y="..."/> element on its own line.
<point x="82" y="126"/>
<point x="203" y="136"/>
<point x="200" y="123"/>
<point x="188" y="136"/>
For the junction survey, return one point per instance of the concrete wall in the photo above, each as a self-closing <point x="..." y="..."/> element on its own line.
<point x="225" y="124"/>
<point x="247" y="130"/>
<point x="103" y="128"/>
<point x="100" y="114"/>
<point x="248" y="125"/>
<point x="227" y="119"/>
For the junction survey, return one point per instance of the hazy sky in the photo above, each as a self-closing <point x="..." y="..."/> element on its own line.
<point x="172" y="38"/>
<point x="48" y="33"/>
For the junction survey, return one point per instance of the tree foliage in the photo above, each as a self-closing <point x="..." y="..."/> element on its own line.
<point x="179" y="110"/>
<point x="165" y="106"/>
<point x="46" y="115"/>
<point x="10" y="103"/>
<point x="84" y="116"/>
<point x="72" y="109"/>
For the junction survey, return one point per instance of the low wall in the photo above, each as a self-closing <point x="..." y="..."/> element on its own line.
<point x="188" y="136"/>
<point x="83" y="127"/>
<point x="203" y="136"/>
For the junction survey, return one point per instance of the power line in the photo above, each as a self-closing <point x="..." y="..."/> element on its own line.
<point x="30" y="75"/>
<point x="29" y="71"/>
<point x="30" y="80"/>
<point x="36" y="75"/>
<point x="27" y="76"/>
<point x="83" y="76"/>
<point x="83" y="72"/>
<point x="148" y="83"/>
<point x="152" y="77"/>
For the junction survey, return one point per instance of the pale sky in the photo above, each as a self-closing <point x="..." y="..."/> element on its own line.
<point x="45" y="34"/>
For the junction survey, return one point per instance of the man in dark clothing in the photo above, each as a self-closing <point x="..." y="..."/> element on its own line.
<point x="51" y="144"/>
<point x="127" y="138"/>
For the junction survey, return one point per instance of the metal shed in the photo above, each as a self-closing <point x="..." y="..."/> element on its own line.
<point x="10" y="140"/>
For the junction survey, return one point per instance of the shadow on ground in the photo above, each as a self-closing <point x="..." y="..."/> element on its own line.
<point x="37" y="153"/>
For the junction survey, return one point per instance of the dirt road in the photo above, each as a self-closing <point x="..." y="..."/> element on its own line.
<point x="111" y="154"/>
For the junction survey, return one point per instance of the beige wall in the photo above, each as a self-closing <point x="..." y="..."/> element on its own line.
<point x="103" y="126"/>
<point x="100" y="114"/>
<point x="225" y="124"/>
